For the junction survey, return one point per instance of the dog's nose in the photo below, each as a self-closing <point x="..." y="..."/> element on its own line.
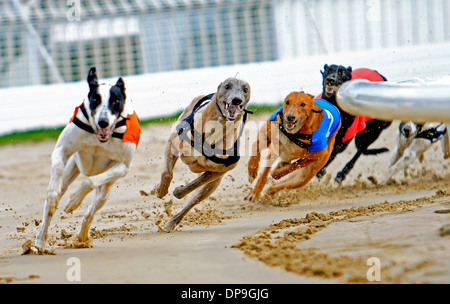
<point x="290" y="117"/>
<point x="329" y="82"/>
<point x="236" y="101"/>
<point x="407" y="131"/>
<point x="102" y="123"/>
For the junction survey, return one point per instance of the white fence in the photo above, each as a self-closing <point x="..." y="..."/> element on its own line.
<point x="160" y="94"/>
<point x="171" y="51"/>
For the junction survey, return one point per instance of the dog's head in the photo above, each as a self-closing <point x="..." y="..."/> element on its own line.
<point x="106" y="104"/>
<point x="408" y="129"/>
<point x="232" y="98"/>
<point x="333" y="76"/>
<point x="297" y="107"/>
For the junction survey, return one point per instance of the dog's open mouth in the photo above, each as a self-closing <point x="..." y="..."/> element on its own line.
<point x="103" y="135"/>
<point x="292" y="126"/>
<point x="331" y="90"/>
<point x="232" y="112"/>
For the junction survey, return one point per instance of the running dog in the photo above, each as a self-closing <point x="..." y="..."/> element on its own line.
<point x="414" y="139"/>
<point x="364" y="129"/>
<point x="308" y="129"/>
<point x="99" y="142"/>
<point x="206" y="138"/>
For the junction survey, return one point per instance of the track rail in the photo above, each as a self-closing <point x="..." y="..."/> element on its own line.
<point x="413" y="100"/>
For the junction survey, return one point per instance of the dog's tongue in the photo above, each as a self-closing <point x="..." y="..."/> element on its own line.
<point x="330" y="89"/>
<point x="233" y="111"/>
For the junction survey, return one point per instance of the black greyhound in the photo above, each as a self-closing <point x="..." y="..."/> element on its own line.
<point x="333" y="77"/>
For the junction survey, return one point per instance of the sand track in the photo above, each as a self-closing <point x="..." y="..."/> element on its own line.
<point x="313" y="237"/>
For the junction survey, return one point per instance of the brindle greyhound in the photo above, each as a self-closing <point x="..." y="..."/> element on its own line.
<point x="364" y="129"/>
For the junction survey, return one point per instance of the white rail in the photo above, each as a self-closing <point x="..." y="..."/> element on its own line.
<point x="415" y="100"/>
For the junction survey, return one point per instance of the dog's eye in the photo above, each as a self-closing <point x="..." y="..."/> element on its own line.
<point x="245" y="90"/>
<point x="302" y="105"/>
<point x="227" y="87"/>
<point x="116" y="104"/>
<point x="287" y="102"/>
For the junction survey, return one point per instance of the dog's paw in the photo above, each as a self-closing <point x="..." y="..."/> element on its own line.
<point x="170" y="226"/>
<point x="252" y="197"/>
<point x="340" y="178"/>
<point x="373" y="179"/>
<point x="179" y="192"/>
<point x="159" y="191"/>
<point x="73" y="203"/>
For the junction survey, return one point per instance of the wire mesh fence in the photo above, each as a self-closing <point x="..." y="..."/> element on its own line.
<point x="48" y="41"/>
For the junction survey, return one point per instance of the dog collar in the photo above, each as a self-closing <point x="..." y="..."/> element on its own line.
<point x="433" y="134"/>
<point x="295" y="138"/>
<point x="88" y="128"/>
<point x="319" y="138"/>
<point x="198" y="141"/>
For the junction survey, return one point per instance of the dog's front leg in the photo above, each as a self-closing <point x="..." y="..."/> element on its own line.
<point x="100" y="197"/>
<point x="402" y="144"/>
<point x="262" y="142"/>
<point x="262" y="180"/>
<point x="88" y="184"/>
<point x="170" y="159"/>
<point x="205" y="191"/>
<point x="446" y="142"/>
<point x="59" y="160"/>
<point x="415" y="151"/>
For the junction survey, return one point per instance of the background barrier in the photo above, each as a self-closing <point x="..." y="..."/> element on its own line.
<point x="171" y="51"/>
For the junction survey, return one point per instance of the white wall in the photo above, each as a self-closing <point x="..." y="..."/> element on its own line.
<point x="161" y="94"/>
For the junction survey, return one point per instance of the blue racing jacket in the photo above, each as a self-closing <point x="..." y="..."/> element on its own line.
<point x="319" y="138"/>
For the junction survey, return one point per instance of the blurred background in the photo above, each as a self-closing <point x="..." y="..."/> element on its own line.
<point x="172" y="45"/>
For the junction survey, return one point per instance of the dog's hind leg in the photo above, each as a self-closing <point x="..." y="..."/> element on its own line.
<point x="337" y="149"/>
<point x="340" y="177"/>
<point x="415" y="151"/>
<point x="100" y="197"/>
<point x="205" y="177"/>
<point x="202" y="193"/>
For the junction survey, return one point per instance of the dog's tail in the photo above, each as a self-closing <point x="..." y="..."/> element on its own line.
<point x="375" y="151"/>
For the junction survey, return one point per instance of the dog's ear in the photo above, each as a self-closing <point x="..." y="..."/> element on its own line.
<point x="92" y="77"/>
<point x="92" y="81"/>
<point x="349" y="69"/>
<point x="311" y="96"/>
<point x="121" y="84"/>
<point x="325" y="67"/>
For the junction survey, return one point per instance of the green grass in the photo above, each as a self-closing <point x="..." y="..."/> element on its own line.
<point x="39" y="135"/>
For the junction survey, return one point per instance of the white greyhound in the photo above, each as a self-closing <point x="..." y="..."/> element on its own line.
<point x="412" y="142"/>
<point x="100" y="142"/>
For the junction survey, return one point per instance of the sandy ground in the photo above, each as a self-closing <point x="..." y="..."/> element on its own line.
<point x="319" y="234"/>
